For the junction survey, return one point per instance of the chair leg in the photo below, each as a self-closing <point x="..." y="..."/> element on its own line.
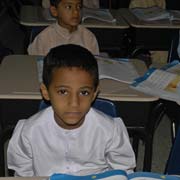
<point x="148" y="153"/>
<point x="135" y="145"/>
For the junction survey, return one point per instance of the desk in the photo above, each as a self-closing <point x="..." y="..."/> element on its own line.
<point x="20" y="89"/>
<point x="33" y="16"/>
<point x="111" y="37"/>
<point x="21" y="81"/>
<point x="154" y="35"/>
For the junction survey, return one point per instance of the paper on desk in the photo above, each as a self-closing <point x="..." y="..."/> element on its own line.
<point x="159" y="82"/>
<point x="97" y="14"/>
<point x="150" y="13"/>
<point x="117" y="69"/>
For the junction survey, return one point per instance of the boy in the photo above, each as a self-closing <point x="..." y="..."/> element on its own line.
<point x="69" y="136"/>
<point x="66" y="30"/>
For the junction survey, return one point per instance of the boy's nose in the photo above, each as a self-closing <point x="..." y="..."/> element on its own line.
<point x="76" y="10"/>
<point x="74" y="100"/>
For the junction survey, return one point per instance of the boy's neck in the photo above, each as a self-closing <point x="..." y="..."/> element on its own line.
<point x="69" y="28"/>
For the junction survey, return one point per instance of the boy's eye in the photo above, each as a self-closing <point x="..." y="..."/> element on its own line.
<point x="68" y="6"/>
<point x="79" y="6"/>
<point x="84" y="93"/>
<point x="62" y="92"/>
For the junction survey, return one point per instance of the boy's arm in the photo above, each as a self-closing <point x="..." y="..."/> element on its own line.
<point x="119" y="153"/>
<point x="94" y="46"/>
<point x="37" y="47"/>
<point x="19" y="155"/>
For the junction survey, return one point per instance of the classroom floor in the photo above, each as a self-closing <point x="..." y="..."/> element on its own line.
<point x="161" y="147"/>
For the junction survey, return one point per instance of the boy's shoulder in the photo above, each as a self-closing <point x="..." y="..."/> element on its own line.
<point x="40" y="118"/>
<point x="96" y="118"/>
<point x="49" y="29"/>
<point x="103" y="118"/>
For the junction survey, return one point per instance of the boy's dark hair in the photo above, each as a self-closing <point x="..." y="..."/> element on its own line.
<point x="56" y="2"/>
<point x="70" y="56"/>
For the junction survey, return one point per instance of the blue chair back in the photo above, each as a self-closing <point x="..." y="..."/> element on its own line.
<point x="173" y="163"/>
<point x="104" y="105"/>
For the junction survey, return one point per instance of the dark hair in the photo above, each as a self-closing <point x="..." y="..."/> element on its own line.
<point x="70" y="56"/>
<point x="56" y="2"/>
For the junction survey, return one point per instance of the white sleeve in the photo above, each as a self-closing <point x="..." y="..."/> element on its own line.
<point x="36" y="47"/>
<point x="19" y="155"/>
<point x="94" y="45"/>
<point x="119" y="153"/>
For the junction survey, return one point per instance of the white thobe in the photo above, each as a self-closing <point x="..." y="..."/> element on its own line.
<point x="39" y="147"/>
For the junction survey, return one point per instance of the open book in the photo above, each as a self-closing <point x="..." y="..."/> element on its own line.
<point x="155" y="13"/>
<point x="164" y="82"/>
<point x="117" y="69"/>
<point x="97" y="14"/>
<point x="115" y="175"/>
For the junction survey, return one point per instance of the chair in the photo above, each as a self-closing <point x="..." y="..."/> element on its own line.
<point x="173" y="162"/>
<point x="145" y="133"/>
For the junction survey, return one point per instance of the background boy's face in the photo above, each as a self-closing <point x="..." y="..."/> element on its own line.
<point x="68" y="13"/>
<point x="71" y="93"/>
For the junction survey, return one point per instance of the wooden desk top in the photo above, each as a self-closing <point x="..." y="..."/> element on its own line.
<point x="33" y="16"/>
<point x="137" y="23"/>
<point x="19" y="80"/>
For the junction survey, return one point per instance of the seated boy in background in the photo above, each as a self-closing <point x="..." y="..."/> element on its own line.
<point x="65" y="31"/>
<point x="69" y="136"/>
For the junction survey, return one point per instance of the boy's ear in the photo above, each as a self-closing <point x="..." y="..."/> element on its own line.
<point x="53" y="11"/>
<point x="96" y="93"/>
<point x="44" y="92"/>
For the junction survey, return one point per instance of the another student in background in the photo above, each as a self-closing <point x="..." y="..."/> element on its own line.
<point x="70" y="136"/>
<point x="66" y="30"/>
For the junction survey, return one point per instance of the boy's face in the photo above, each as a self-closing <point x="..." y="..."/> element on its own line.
<point x="71" y="93"/>
<point x="68" y="13"/>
